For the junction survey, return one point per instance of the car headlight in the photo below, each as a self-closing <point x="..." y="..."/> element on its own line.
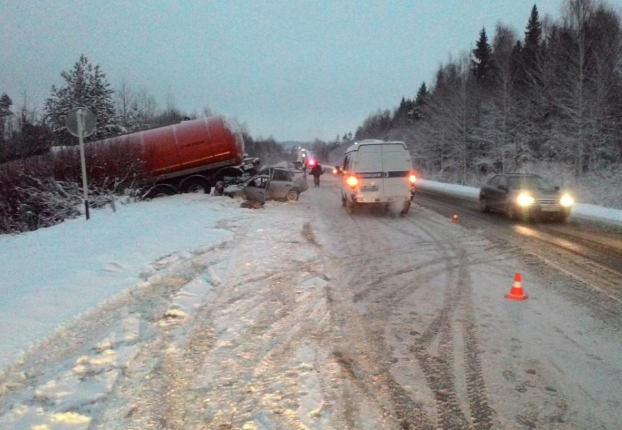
<point x="566" y="201"/>
<point x="524" y="199"/>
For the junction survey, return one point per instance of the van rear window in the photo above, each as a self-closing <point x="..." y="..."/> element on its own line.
<point x="370" y="159"/>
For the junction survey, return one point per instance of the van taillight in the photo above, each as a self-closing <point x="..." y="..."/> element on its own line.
<point x="412" y="179"/>
<point x="352" y="181"/>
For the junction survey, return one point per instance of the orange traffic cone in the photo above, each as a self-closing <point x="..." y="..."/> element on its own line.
<point x="516" y="293"/>
<point x="455" y="217"/>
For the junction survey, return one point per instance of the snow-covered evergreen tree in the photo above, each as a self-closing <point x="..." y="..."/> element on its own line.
<point x="5" y="111"/>
<point x="85" y="86"/>
<point x="481" y="62"/>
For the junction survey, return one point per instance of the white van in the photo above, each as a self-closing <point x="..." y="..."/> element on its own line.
<point x="376" y="172"/>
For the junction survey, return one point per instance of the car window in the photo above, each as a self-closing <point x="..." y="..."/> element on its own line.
<point x="494" y="182"/>
<point x="530" y="183"/>
<point x="281" y="175"/>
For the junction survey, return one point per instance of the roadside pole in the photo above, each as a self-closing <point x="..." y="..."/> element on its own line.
<point x="81" y="123"/>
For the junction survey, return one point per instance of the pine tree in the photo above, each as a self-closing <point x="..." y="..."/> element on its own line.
<point x="5" y="110"/>
<point x="482" y="62"/>
<point x="531" y="54"/>
<point x="85" y="86"/>
<point x="420" y="101"/>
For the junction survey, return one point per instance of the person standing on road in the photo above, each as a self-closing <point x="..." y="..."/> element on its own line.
<point x="316" y="171"/>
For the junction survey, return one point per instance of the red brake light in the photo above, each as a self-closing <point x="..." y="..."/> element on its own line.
<point x="412" y="179"/>
<point x="352" y="181"/>
<point x="311" y="162"/>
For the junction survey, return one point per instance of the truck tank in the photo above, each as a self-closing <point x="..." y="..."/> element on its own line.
<point x="183" y="157"/>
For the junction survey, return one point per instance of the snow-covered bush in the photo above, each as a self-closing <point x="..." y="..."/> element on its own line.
<point x="46" y="190"/>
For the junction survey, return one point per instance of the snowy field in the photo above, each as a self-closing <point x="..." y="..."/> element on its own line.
<point x="76" y="269"/>
<point x="53" y="275"/>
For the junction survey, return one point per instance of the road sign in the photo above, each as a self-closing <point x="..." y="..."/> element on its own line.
<point x="81" y="123"/>
<point x="83" y="115"/>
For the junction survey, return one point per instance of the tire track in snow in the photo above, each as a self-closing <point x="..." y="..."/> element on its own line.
<point x="440" y="371"/>
<point x="370" y="372"/>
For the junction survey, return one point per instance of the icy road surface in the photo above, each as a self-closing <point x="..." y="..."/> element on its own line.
<point x="308" y="318"/>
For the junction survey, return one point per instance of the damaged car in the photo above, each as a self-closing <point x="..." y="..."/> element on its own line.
<point x="277" y="182"/>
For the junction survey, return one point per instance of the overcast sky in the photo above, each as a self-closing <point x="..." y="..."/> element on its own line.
<point x="290" y="69"/>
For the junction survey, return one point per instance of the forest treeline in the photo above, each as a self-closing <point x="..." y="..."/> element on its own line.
<point x="26" y="132"/>
<point x="550" y="95"/>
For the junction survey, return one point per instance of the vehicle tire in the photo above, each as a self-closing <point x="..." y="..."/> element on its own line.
<point x="406" y="208"/>
<point x="483" y="205"/>
<point x="510" y="212"/>
<point x="515" y="215"/>
<point x="350" y="206"/>
<point x="196" y="185"/>
<point x="292" y="195"/>
<point x="161" y="190"/>
<point x="227" y="172"/>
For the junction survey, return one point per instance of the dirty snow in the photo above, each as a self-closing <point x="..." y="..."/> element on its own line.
<point x="55" y="275"/>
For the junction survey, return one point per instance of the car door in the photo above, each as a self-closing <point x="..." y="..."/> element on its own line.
<point x="256" y="188"/>
<point x="499" y="192"/>
<point x="396" y="167"/>
<point x="281" y="182"/>
<point x="368" y="168"/>
<point x="489" y="191"/>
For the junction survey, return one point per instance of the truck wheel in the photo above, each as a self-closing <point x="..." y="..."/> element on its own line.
<point x="406" y="208"/>
<point x="197" y="185"/>
<point x="292" y="195"/>
<point x="161" y="190"/>
<point x="227" y="175"/>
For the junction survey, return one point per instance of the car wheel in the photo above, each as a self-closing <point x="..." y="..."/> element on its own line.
<point x="406" y="208"/>
<point x="510" y="212"/>
<point x="292" y="195"/>
<point x="349" y="207"/>
<point x="483" y="204"/>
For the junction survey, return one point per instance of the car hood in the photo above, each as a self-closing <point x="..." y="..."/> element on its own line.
<point x="538" y="194"/>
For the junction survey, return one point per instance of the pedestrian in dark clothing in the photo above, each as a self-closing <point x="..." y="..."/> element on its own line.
<point x="316" y="171"/>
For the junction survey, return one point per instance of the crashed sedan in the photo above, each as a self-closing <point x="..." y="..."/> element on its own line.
<point x="277" y="182"/>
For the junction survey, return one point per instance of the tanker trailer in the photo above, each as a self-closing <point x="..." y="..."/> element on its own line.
<point x="184" y="157"/>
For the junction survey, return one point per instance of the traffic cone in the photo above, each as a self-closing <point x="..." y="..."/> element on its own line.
<point x="455" y="217"/>
<point x="516" y="293"/>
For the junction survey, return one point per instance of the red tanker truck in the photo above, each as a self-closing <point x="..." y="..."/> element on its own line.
<point x="190" y="156"/>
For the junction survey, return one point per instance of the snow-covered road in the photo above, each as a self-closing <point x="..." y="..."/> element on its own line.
<point x="304" y="317"/>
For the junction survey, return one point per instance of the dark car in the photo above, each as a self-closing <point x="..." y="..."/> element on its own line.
<point x="524" y="196"/>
